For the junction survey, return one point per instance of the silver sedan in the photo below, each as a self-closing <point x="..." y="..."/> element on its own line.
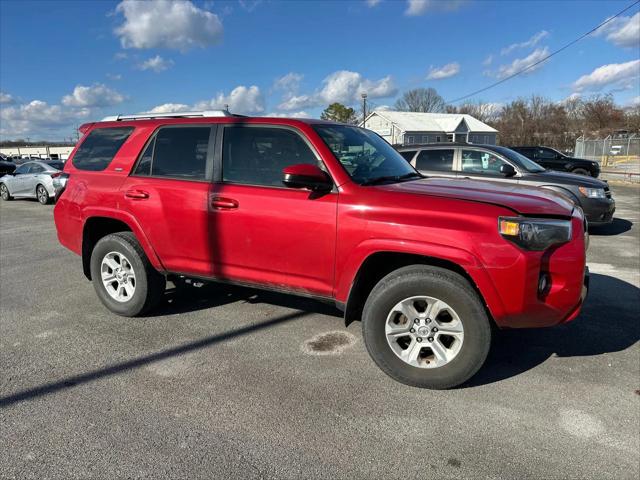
<point x="32" y="180"/>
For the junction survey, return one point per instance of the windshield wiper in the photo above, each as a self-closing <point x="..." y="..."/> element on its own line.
<point x="391" y="178"/>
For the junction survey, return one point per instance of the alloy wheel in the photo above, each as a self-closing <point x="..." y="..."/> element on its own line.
<point x="424" y="332"/>
<point x="118" y="276"/>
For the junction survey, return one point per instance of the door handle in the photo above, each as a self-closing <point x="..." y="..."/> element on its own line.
<point x="136" y="194"/>
<point x="224" y="203"/>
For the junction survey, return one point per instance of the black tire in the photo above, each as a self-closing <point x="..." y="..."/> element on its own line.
<point x="441" y="284"/>
<point x="4" y="193"/>
<point x="42" y="195"/>
<point x="581" y="171"/>
<point x="150" y="285"/>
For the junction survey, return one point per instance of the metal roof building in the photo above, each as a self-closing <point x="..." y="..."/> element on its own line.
<point x="407" y="128"/>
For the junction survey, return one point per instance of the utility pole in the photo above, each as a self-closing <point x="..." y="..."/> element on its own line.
<point x="364" y="109"/>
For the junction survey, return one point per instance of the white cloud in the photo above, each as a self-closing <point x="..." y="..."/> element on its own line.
<point x="619" y="75"/>
<point x="300" y="114"/>
<point x="488" y="61"/>
<point x="622" y="31"/>
<point x="114" y="76"/>
<point x="532" y="42"/>
<point x="249" y="5"/>
<point x="241" y="99"/>
<point x="174" y="24"/>
<point x="96" y="95"/>
<point x="6" y="99"/>
<point x="420" y="7"/>
<point x="342" y="86"/>
<point x="373" y="3"/>
<point x="244" y="100"/>
<point x="170" y="108"/>
<point x="38" y="118"/>
<point x="156" y="64"/>
<point x="634" y="102"/>
<point x="289" y="82"/>
<point x="519" y="63"/>
<point x="446" y="71"/>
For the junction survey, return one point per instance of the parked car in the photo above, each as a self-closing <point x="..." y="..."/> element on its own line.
<point x="554" y="160"/>
<point x="31" y="180"/>
<point x="503" y="165"/>
<point x="6" y="167"/>
<point x="427" y="264"/>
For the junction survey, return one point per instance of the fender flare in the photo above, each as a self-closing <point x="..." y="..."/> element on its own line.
<point x="133" y="225"/>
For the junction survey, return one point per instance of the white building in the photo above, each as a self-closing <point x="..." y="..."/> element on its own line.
<point x="407" y="128"/>
<point x="43" y="151"/>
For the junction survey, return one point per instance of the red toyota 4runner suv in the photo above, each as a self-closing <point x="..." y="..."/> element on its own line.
<point x="324" y="210"/>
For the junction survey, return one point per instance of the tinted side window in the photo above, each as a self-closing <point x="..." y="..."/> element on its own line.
<point x="257" y="155"/>
<point x="99" y="148"/>
<point x="180" y="152"/>
<point x="476" y="161"/>
<point x="408" y="156"/>
<point x="544" y="154"/>
<point x="144" y="165"/>
<point x="435" y="160"/>
<point x="24" y="168"/>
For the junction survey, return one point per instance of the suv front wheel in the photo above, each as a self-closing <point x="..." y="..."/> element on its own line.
<point x="124" y="279"/>
<point x="426" y="327"/>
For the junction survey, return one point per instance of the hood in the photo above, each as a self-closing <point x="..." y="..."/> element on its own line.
<point x="562" y="178"/>
<point x="521" y="199"/>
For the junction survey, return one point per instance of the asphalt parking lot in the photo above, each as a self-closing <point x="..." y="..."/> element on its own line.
<point x="230" y="382"/>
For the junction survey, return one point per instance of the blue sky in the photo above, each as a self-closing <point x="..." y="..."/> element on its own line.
<point x="65" y="63"/>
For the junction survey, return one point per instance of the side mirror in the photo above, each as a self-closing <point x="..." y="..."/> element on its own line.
<point x="507" y="170"/>
<point x="304" y="175"/>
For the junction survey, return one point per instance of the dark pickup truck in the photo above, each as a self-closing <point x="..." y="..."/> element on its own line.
<point x="553" y="160"/>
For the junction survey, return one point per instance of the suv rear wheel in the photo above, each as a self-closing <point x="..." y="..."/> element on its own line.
<point x="426" y="327"/>
<point x="124" y="279"/>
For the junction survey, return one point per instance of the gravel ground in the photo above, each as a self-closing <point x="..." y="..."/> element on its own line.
<point x="231" y="382"/>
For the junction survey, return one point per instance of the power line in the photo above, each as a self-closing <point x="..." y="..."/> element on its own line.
<point x="545" y="58"/>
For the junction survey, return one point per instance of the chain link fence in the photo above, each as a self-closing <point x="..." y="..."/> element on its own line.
<point x="609" y="151"/>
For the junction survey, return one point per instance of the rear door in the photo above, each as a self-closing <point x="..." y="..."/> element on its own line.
<point x="168" y="191"/>
<point x="436" y="162"/>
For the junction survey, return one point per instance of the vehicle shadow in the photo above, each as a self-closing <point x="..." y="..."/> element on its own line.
<point x="605" y="325"/>
<point x="616" y="227"/>
<point x="185" y="298"/>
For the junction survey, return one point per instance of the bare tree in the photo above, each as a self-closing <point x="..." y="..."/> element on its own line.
<point x="420" y="100"/>
<point x="602" y="115"/>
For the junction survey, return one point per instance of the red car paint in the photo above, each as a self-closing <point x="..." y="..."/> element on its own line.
<point x="288" y="239"/>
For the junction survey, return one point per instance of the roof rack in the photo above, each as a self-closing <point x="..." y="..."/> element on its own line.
<point x="150" y="115"/>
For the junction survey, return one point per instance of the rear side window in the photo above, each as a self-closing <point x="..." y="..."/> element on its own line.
<point x="435" y="160"/>
<point x="408" y="156"/>
<point x="99" y="148"/>
<point x="179" y="152"/>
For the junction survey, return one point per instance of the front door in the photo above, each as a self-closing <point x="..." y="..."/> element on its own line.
<point x="261" y="231"/>
<point x="481" y="164"/>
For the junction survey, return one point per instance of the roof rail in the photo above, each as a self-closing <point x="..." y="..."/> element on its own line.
<point x="150" y="115"/>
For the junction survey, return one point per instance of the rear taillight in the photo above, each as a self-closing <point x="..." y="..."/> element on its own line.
<point x="55" y="174"/>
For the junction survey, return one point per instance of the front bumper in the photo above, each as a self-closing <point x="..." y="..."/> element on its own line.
<point x="598" y="211"/>
<point x="525" y="305"/>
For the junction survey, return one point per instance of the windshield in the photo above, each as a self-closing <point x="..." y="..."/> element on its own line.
<point x="520" y="160"/>
<point x="365" y="156"/>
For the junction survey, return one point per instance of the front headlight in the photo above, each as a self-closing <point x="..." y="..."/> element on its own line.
<point x="534" y="233"/>
<point x="592" y="192"/>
